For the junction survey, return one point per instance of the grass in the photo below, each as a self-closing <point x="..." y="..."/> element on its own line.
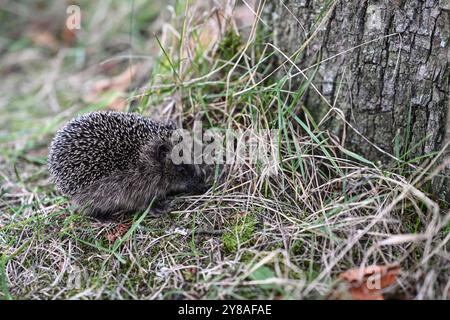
<point x="254" y="235"/>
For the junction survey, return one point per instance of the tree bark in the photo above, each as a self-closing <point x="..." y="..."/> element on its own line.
<point x="390" y="73"/>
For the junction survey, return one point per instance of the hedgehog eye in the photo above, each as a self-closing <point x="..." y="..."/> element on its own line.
<point x="181" y="169"/>
<point x="162" y="151"/>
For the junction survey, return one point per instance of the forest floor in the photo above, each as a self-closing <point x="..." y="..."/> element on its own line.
<point x="298" y="233"/>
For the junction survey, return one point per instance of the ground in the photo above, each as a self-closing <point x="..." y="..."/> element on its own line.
<point x="254" y="234"/>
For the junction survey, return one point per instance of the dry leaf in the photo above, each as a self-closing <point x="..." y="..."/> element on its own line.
<point x="68" y="36"/>
<point x="119" y="83"/>
<point x="243" y="15"/>
<point x="366" y="283"/>
<point x="210" y="33"/>
<point x="214" y="27"/>
<point x="42" y="38"/>
<point x="118" y="232"/>
<point x="118" y="104"/>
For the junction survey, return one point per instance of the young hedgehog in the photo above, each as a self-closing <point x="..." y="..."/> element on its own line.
<point x="113" y="163"/>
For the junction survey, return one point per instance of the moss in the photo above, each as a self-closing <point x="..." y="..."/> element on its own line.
<point x="229" y="46"/>
<point x="241" y="231"/>
<point x="297" y="246"/>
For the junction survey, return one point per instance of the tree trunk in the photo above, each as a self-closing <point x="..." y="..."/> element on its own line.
<point x="391" y="73"/>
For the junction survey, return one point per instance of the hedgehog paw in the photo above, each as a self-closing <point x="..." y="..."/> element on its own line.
<point x="102" y="215"/>
<point x="160" y="208"/>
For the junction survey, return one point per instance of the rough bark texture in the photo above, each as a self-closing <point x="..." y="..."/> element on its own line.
<point x="393" y="89"/>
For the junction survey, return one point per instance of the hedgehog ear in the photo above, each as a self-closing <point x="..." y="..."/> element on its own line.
<point x="162" y="151"/>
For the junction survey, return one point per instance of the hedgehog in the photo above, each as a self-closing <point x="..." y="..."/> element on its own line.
<point x="115" y="163"/>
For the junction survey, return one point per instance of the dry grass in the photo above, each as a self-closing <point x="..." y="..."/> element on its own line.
<point x="254" y="235"/>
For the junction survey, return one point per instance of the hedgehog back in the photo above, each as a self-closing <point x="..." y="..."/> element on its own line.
<point x="97" y="144"/>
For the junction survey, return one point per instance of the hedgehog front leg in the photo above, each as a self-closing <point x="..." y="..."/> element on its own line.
<point x="161" y="207"/>
<point x="103" y="215"/>
<point x="100" y="202"/>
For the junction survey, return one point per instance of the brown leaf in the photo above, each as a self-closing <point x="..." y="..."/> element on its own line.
<point x="209" y="34"/>
<point x="118" y="232"/>
<point x="118" y="104"/>
<point x="42" y="38"/>
<point x="243" y="15"/>
<point x="119" y="83"/>
<point x="367" y="283"/>
<point x="68" y="36"/>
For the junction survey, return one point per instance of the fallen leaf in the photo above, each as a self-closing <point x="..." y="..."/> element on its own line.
<point x="244" y="15"/>
<point x="365" y="283"/>
<point x="210" y="33"/>
<point x="118" y="232"/>
<point x="215" y="26"/>
<point x="118" y="104"/>
<point x="119" y="83"/>
<point x="42" y="38"/>
<point x="68" y="36"/>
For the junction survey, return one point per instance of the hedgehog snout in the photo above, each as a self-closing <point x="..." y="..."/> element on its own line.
<point x="195" y="179"/>
<point x="199" y="181"/>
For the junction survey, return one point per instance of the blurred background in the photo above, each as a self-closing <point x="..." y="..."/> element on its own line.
<point x="49" y="72"/>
